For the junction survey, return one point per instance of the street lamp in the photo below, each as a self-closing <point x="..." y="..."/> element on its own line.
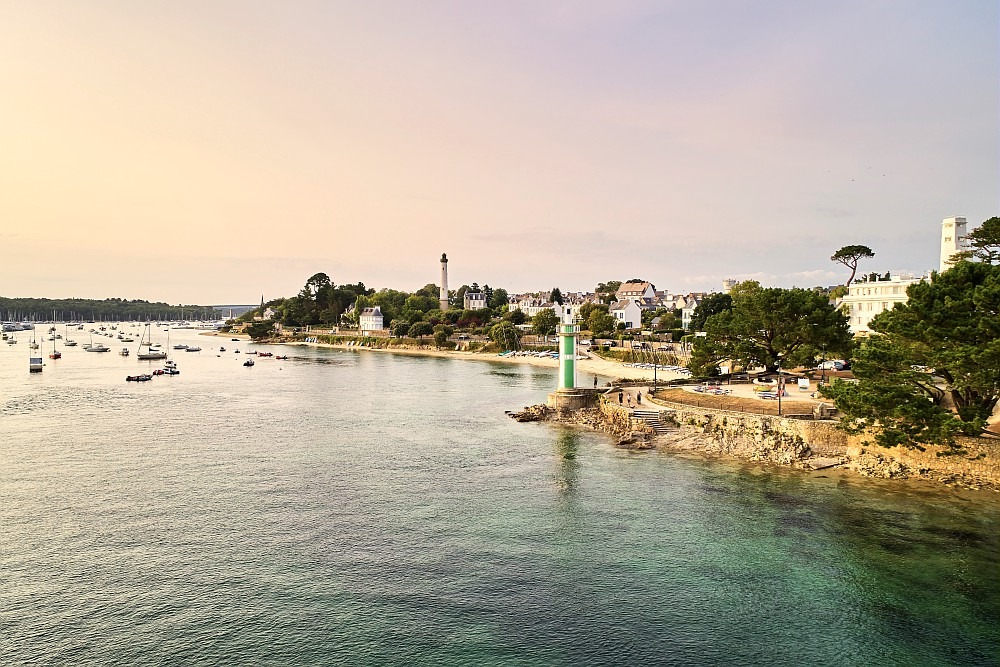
<point x="779" y="385"/>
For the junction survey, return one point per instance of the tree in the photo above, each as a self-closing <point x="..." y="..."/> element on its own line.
<point x="400" y="328"/>
<point x="770" y="324"/>
<point x="260" y="330"/>
<point x="317" y="282"/>
<point x="850" y="255"/>
<point x="601" y="323"/>
<point x="713" y="304"/>
<point x="505" y="335"/>
<point x="606" y="291"/>
<point x="498" y="298"/>
<point x="440" y="338"/>
<point x="420" y="329"/>
<point x="515" y="316"/>
<point x="544" y="322"/>
<point x="984" y="242"/>
<point x="932" y="369"/>
<point x="556" y="296"/>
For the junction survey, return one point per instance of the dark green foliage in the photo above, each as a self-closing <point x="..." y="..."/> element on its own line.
<point x="850" y="255"/>
<point x="984" y="243"/>
<point x="260" y="330"/>
<point x="766" y="324"/>
<point x="515" y="316"/>
<point x="420" y="329"/>
<point x="933" y="368"/>
<point x="498" y="298"/>
<point x="556" y="296"/>
<point x="108" y="310"/>
<point x="545" y="322"/>
<point x="601" y="323"/>
<point x="505" y="335"/>
<point x="710" y="305"/>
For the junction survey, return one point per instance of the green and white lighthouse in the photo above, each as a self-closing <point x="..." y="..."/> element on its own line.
<point x="567" y="395"/>
<point x="567" y="353"/>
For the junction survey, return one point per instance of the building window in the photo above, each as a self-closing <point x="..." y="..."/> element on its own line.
<point x="947" y="239"/>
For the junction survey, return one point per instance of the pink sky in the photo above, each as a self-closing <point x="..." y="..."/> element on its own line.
<point x="214" y="152"/>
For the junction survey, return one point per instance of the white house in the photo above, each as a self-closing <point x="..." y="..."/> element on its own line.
<point x="867" y="298"/>
<point x="627" y="311"/>
<point x="370" y="320"/>
<point x="687" y="311"/>
<point x="474" y="301"/>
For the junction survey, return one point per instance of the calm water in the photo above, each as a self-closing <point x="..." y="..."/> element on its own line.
<point x="360" y="508"/>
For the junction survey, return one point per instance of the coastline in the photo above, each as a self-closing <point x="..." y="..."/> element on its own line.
<point x="586" y="368"/>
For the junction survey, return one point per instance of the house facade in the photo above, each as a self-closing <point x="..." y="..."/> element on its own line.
<point x="641" y="292"/>
<point x="627" y="311"/>
<point x="370" y="320"/>
<point x="474" y="301"/>
<point x="867" y="298"/>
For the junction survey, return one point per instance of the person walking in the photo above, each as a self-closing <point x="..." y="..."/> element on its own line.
<point x="595" y="382"/>
<point x="621" y="397"/>
<point x="638" y="397"/>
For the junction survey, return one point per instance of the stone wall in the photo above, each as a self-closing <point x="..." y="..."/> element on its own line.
<point x="760" y="437"/>
<point x="793" y="441"/>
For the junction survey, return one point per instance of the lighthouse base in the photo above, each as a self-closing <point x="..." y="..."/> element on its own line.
<point x="572" y="399"/>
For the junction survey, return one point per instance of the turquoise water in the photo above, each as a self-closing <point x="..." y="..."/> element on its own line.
<point x="360" y="508"/>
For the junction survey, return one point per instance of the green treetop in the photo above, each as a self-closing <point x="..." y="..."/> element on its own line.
<point x="766" y="325"/>
<point x="932" y="369"/>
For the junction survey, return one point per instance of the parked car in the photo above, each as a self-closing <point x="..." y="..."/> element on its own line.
<point x="585" y="341"/>
<point x="833" y="365"/>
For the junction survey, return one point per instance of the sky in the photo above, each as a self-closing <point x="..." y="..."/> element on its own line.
<point x="215" y="152"/>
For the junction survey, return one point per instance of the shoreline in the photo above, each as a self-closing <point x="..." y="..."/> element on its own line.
<point x="592" y="366"/>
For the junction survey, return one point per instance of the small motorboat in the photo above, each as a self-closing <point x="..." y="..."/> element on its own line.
<point x="222" y="349"/>
<point x="124" y="352"/>
<point x="192" y="349"/>
<point x="180" y="346"/>
<point x="235" y="340"/>
<point x="138" y="378"/>
<point x="248" y="362"/>
<point x="158" y="371"/>
<point x="282" y="357"/>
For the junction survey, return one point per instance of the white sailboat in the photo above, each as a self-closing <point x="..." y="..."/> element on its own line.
<point x="150" y="354"/>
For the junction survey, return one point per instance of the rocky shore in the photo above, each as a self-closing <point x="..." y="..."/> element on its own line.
<point x="804" y="445"/>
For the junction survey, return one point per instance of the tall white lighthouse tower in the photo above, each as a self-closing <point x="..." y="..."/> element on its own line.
<point x="952" y="240"/>
<point x="444" y="282"/>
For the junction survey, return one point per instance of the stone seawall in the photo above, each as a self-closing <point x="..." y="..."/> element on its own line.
<point x="803" y="443"/>
<point x="759" y="437"/>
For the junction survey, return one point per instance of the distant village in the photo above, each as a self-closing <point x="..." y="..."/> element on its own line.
<point x="867" y="295"/>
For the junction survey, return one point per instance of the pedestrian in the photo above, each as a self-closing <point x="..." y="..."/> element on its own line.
<point x="630" y="400"/>
<point x="621" y="397"/>
<point x="595" y="382"/>
<point x="638" y="397"/>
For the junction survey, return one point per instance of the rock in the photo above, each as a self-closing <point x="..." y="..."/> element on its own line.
<point x="819" y="463"/>
<point x="532" y="413"/>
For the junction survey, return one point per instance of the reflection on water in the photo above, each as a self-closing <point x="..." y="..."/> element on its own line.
<point x="566" y="446"/>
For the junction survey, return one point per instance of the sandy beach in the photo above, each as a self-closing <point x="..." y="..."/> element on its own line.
<point x="586" y="368"/>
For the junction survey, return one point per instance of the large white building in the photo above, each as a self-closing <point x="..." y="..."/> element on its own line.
<point x="867" y="298"/>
